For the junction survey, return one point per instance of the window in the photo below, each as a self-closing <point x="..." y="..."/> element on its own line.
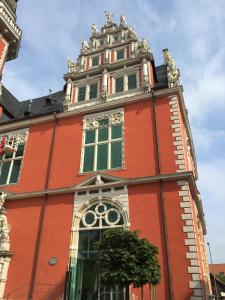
<point x="93" y="91"/>
<point x="120" y="54"/>
<point x="87" y="280"/>
<point x="95" y="61"/>
<point x="132" y="82"/>
<point x="81" y="93"/>
<point x="125" y="82"/>
<point x="103" y="143"/>
<point x="119" y="84"/>
<point x="11" y="155"/>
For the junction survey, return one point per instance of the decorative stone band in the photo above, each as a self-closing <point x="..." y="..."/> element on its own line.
<point x="177" y="134"/>
<point x="192" y="250"/>
<point x="15" y="137"/>
<point x="114" y="117"/>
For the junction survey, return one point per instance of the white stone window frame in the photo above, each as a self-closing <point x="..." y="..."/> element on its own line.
<point x="20" y="137"/>
<point x="125" y="72"/>
<point x="4" y="262"/>
<point x="85" y="83"/>
<point x="91" y="122"/>
<point x="119" y="49"/>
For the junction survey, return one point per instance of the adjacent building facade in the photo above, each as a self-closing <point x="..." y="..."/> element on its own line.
<point x="112" y="149"/>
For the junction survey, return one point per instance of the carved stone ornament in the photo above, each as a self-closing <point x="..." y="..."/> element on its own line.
<point x="4" y="233"/>
<point x="94" y="29"/>
<point x="123" y="21"/>
<point x="172" y="70"/>
<point x="15" y="137"/>
<point x="2" y="199"/>
<point x="114" y="118"/>
<point x="109" y="17"/>
<point x="84" y="45"/>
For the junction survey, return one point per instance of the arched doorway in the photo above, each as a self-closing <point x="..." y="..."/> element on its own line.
<point x="97" y="217"/>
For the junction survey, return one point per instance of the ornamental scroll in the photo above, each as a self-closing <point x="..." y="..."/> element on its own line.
<point x="113" y="117"/>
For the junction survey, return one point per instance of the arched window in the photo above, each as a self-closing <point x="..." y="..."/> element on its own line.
<point x="97" y="218"/>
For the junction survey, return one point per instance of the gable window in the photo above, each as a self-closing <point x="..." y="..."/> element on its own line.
<point x="103" y="142"/>
<point x="93" y="91"/>
<point x="81" y="93"/>
<point x="95" y="60"/>
<point x="119" y="82"/>
<point x="11" y="154"/>
<point x="120" y="54"/>
<point x="125" y="82"/>
<point x="132" y="81"/>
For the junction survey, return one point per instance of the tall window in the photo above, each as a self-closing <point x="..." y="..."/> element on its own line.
<point x="93" y="91"/>
<point x="120" y="54"/>
<point x="87" y="92"/>
<point x="95" y="220"/>
<point x="125" y="82"/>
<point x="81" y="93"/>
<point x="11" y="155"/>
<point x="119" y="84"/>
<point x="103" y="144"/>
<point x="132" y="81"/>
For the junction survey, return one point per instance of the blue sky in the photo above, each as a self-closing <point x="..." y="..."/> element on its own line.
<point x="193" y="30"/>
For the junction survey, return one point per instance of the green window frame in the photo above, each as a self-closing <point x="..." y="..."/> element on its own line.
<point x="103" y="147"/>
<point x="81" y="93"/>
<point x="95" y="60"/>
<point x="120" y="54"/>
<point x="119" y="84"/>
<point x="132" y="81"/>
<point x="93" y="91"/>
<point x="10" y="165"/>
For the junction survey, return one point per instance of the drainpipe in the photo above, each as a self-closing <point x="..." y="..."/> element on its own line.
<point x="162" y="206"/>
<point x="42" y="215"/>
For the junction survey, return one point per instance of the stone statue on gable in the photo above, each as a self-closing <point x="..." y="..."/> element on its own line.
<point x="123" y="21"/>
<point x="109" y="17"/>
<point x="94" y="29"/>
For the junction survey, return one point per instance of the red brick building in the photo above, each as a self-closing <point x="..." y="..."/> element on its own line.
<point x="113" y="149"/>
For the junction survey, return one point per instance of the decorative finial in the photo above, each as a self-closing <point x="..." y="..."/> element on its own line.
<point x="94" y="29"/>
<point x="172" y="70"/>
<point x="109" y="17"/>
<point x="123" y="21"/>
<point x="84" y="45"/>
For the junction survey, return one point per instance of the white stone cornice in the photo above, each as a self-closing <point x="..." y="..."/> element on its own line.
<point x="9" y="126"/>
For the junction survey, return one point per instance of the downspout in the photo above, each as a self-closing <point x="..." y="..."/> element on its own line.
<point x="162" y="206"/>
<point x="42" y="214"/>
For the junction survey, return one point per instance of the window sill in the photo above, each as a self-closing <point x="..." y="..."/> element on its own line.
<point x="101" y="171"/>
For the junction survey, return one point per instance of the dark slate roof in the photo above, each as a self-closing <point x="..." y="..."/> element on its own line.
<point x="14" y="110"/>
<point x="161" y="77"/>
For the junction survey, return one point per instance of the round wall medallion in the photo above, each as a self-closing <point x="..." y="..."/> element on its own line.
<point x="52" y="261"/>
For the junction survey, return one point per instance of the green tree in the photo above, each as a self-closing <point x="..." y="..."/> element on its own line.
<point x="126" y="259"/>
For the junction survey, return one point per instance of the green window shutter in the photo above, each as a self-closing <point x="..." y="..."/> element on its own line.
<point x="120" y="54"/>
<point x="93" y="91"/>
<point x="4" y="172"/>
<point x="116" y="132"/>
<point x="132" y="83"/>
<point x="119" y="84"/>
<point x="15" y="171"/>
<point x="81" y="93"/>
<point x="103" y="134"/>
<point x="95" y="61"/>
<point x="102" y="157"/>
<point x="90" y="137"/>
<point x="88" y="158"/>
<point x="116" y="155"/>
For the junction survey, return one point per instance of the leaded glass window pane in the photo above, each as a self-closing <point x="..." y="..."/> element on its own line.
<point x="132" y="83"/>
<point x="15" y="171"/>
<point x="119" y="84"/>
<point x="4" y="172"/>
<point x="81" y="93"/>
<point x="116" y="131"/>
<point x="116" y="155"/>
<point x="93" y="91"/>
<point x="120" y="54"/>
<point x="90" y="137"/>
<point x="95" y="61"/>
<point x="102" y="157"/>
<point x="103" y="134"/>
<point x="88" y="159"/>
<point x="20" y="150"/>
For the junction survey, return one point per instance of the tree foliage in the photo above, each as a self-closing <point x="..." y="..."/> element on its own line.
<point x="126" y="259"/>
